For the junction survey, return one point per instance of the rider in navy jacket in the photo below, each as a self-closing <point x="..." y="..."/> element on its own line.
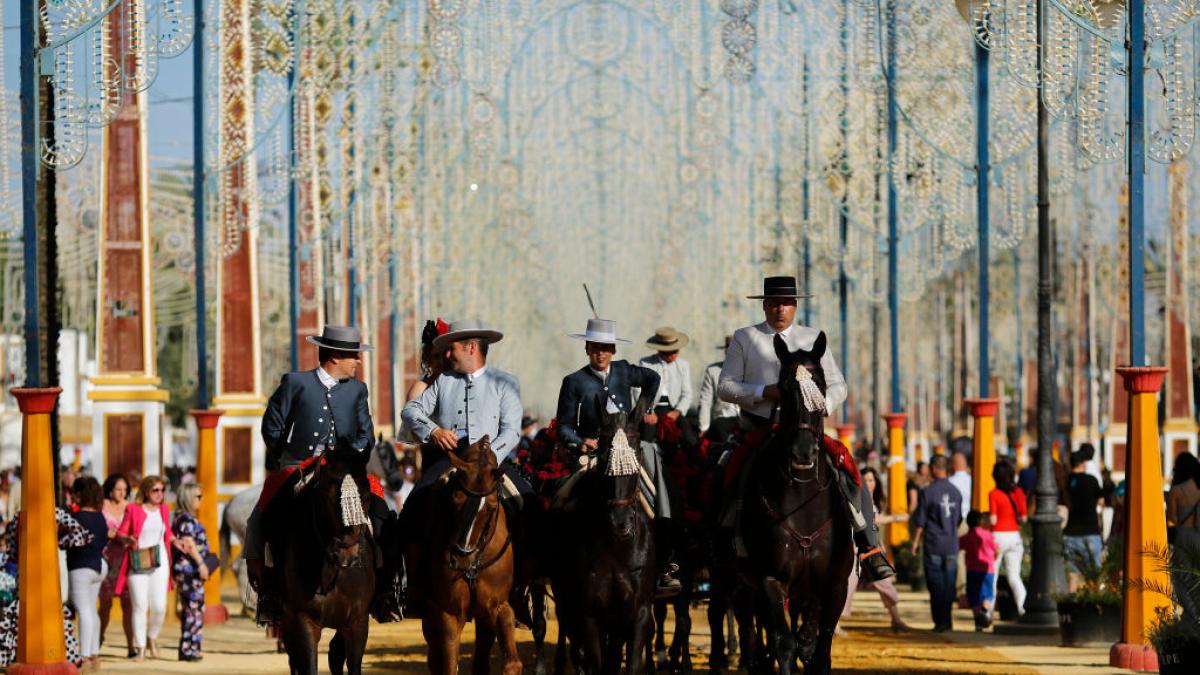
<point x="303" y="414"/>
<point x="577" y="416"/>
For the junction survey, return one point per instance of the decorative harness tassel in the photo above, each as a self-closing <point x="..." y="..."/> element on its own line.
<point x="622" y="460"/>
<point x="352" y="508"/>
<point x="814" y="400"/>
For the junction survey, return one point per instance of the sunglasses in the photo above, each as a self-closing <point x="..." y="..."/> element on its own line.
<point x="157" y="489"/>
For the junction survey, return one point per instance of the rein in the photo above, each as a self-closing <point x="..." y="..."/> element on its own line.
<point x="470" y="570"/>
<point x="781" y="519"/>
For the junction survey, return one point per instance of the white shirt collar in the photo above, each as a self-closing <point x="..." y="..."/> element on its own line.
<point x="602" y="374"/>
<point x="471" y="377"/>
<point x="785" y="332"/>
<point x="326" y="379"/>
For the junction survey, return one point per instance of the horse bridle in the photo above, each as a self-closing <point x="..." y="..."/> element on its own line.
<point x="471" y="570"/>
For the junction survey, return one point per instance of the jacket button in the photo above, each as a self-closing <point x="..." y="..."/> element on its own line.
<point x="320" y="419"/>
<point x="315" y="433"/>
<point x="310" y="447"/>
<point x="324" y="407"/>
<point x="606" y="389"/>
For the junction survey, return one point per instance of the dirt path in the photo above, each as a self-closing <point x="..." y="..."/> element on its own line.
<point x="869" y="647"/>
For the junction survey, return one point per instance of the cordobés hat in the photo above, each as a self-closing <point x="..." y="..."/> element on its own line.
<point x="667" y="339"/>
<point x="341" y="338"/>
<point x="603" y="331"/>
<point x="779" y="287"/>
<point x="465" y="330"/>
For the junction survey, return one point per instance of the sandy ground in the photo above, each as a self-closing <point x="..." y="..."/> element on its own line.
<point x="870" y="646"/>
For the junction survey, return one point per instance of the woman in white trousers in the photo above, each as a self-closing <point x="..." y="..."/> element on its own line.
<point x="147" y="526"/>
<point x="86" y="567"/>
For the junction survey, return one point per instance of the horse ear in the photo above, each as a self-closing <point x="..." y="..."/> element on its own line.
<point x="818" y="349"/>
<point x="781" y="349"/>
<point x="458" y="462"/>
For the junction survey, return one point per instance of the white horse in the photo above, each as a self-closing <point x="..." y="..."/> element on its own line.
<point x="237" y="513"/>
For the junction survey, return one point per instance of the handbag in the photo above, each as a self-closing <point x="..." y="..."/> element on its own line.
<point x="144" y="559"/>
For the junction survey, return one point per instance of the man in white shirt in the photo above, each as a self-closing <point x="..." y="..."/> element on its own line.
<point x="750" y="379"/>
<point x="715" y="414"/>
<point x="674" y="381"/>
<point x="961" y="479"/>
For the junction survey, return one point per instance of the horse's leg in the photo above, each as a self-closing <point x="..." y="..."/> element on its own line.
<point x="779" y="631"/>
<point x="560" y="652"/>
<point x="639" y="635"/>
<point x="337" y="653"/>
<point x="593" y="650"/>
<point x="356" y="645"/>
<point x="297" y="634"/>
<point x="442" y="632"/>
<point x="538" y="591"/>
<point x="505" y="627"/>
<point x="681" y="654"/>
<point x="485" y="637"/>
<point x="660" y="637"/>
<point x="743" y="609"/>
<point x="718" y="606"/>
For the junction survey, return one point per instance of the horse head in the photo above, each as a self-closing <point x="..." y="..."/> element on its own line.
<point x="802" y="400"/>
<point x="341" y="513"/>
<point x="619" y="463"/>
<point x="476" y="472"/>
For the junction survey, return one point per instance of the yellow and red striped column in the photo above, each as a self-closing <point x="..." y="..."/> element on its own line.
<point x="1146" y="526"/>
<point x="897" y="531"/>
<point x="41" y="642"/>
<point x="984" y="450"/>
<point x="206" y="475"/>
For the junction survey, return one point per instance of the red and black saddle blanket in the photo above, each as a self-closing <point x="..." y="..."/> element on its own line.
<point x="838" y="453"/>
<point x="278" y="479"/>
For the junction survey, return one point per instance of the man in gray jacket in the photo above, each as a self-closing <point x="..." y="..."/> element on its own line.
<point x="468" y="401"/>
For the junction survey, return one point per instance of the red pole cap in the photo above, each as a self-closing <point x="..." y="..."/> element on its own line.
<point x="206" y="419"/>
<point x="983" y="407"/>
<point x="1142" y="379"/>
<point x="845" y="430"/>
<point x="895" y="420"/>
<point x="38" y="401"/>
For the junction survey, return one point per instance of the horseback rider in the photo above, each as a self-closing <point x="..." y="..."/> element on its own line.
<point x="611" y="382"/>
<point x="307" y="415"/>
<point x="718" y="419"/>
<point x="749" y="379"/>
<point x="467" y="401"/>
<point x="674" y="380"/>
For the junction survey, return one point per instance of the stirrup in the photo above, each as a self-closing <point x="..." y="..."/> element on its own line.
<point x="875" y="565"/>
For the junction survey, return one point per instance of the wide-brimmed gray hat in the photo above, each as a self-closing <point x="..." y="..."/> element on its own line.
<point x="668" y="339"/>
<point x="467" y="329"/>
<point x="602" y="331"/>
<point x="779" y="287"/>
<point x="341" y="338"/>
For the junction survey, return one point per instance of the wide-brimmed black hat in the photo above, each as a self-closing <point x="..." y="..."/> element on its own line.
<point x="341" y="338"/>
<point x="779" y="287"/>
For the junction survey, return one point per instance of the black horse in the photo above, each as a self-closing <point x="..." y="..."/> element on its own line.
<point x="795" y="527"/>
<point x="603" y="580"/>
<point x="320" y="538"/>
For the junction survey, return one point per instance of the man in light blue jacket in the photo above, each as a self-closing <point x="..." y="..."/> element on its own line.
<point x="468" y="401"/>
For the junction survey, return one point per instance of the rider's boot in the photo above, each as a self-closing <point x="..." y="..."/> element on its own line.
<point x="387" y="604"/>
<point x="875" y="565"/>
<point x="665" y="535"/>
<point x="269" y="610"/>
<point x="739" y="544"/>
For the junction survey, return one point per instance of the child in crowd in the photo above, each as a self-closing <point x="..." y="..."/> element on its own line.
<point x="980" y="548"/>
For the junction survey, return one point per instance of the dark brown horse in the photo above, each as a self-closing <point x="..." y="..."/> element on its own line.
<point x="469" y="565"/>
<point x="321" y="538"/>
<point x="603" y="579"/>
<point x="796" y="529"/>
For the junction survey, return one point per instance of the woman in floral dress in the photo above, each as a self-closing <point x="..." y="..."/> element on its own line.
<point x="70" y="535"/>
<point x="189" y="570"/>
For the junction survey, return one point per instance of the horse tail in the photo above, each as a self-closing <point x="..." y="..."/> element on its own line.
<point x="224" y="540"/>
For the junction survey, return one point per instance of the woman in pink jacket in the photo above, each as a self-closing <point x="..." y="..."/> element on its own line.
<point x="146" y="528"/>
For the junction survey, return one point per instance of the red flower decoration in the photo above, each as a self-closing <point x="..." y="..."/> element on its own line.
<point x="442" y="327"/>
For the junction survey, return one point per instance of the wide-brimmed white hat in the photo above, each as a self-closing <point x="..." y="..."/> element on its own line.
<point x="603" y="331"/>
<point x="467" y="329"/>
